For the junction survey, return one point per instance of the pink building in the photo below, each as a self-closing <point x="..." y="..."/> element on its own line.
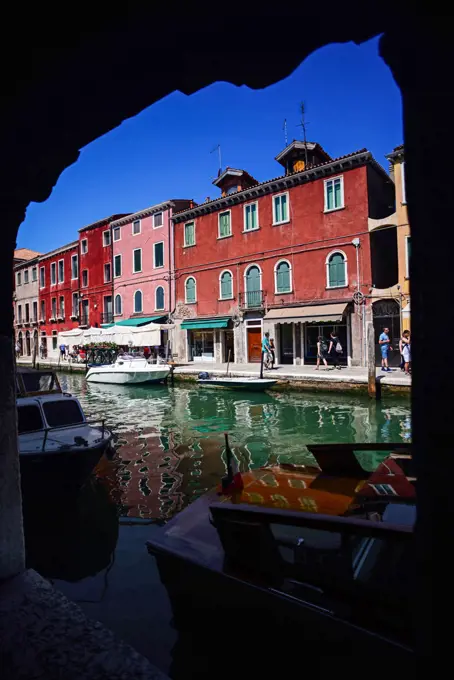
<point x="142" y="261"/>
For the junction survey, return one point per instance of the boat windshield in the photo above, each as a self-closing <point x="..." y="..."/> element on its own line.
<point x="35" y="382"/>
<point x="63" y="412"/>
<point x="29" y="419"/>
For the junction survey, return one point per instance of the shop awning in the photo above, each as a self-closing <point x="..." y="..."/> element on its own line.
<point x="139" y="322"/>
<point x="197" y="324"/>
<point x="322" y="313"/>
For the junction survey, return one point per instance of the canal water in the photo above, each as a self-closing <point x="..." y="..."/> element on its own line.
<point x="170" y="439"/>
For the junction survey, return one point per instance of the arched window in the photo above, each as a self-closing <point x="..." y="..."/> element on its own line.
<point x="159" y="299"/>
<point x="190" y="290"/>
<point x="336" y="270"/>
<point x="253" y="285"/>
<point x="283" y="277"/>
<point x="226" y="285"/>
<point x="137" y="302"/>
<point x="118" y="305"/>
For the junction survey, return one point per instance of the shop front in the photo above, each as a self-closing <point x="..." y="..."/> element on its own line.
<point x="296" y="331"/>
<point x="207" y="339"/>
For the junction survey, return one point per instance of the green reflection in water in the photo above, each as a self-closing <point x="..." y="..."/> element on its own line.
<point x="179" y="433"/>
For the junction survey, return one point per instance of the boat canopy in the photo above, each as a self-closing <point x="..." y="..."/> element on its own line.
<point x="148" y="335"/>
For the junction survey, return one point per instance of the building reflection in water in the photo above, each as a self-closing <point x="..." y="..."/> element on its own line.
<point x="170" y="442"/>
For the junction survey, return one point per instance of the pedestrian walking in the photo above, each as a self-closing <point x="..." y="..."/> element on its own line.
<point x="272" y="352"/>
<point x="406" y="351"/>
<point x="335" y="350"/>
<point x="322" y="349"/>
<point x="62" y="350"/>
<point x="404" y="339"/>
<point x="385" y="346"/>
<point x="17" y="348"/>
<point x="42" y="350"/>
<point x="266" y="350"/>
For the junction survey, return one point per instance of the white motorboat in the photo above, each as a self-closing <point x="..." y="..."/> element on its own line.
<point x="57" y="444"/>
<point x="128" y="370"/>
<point x="246" y="384"/>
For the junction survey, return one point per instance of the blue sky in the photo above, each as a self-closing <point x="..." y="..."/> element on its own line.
<point x="351" y="99"/>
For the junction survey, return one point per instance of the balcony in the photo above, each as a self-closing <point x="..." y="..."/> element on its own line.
<point x="107" y="317"/>
<point x="253" y="299"/>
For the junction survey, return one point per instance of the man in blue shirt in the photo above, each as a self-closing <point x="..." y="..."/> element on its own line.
<point x="266" y="343"/>
<point x="385" y="346"/>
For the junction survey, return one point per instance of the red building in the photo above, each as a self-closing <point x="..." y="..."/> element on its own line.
<point x="288" y="255"/>
<point x="96" y="272"/>
<point x="58" y="283"/>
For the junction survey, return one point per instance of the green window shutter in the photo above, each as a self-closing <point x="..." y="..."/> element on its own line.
<point x="277" y="209"/>
<point x="337" y="194"/>
<point x="190" y="290"/>
<point x="137" y="302"/>
<point x="117" y="265"/>
<point x="336" y="270"/>
<point x="137" y="260"/>
<point x="329" y="195"/>
<point x="160" y="297"/>
<point x="254" y="216"/>
<point x="226" y="285"/>
<point x="283" y="278"/>
<point x="158" y="254"/>
<point x="284" y="210"/>
<point x="224" y="224"/>
<point x="189" y="234"/>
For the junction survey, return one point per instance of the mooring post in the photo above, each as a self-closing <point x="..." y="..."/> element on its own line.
<point x="371" y="373"/>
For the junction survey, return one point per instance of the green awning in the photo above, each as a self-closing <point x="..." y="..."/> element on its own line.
<point x="140" y="322"/>
<point x="207" y="323"/>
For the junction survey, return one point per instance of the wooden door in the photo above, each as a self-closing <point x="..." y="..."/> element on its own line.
<point x="254" y="344"/>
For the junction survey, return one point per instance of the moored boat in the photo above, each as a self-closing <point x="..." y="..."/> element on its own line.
<point x="315" y="556"/>
<point x="128" y="370"/>
<point x="57" y="444"/>
<point x="245" y="384"/>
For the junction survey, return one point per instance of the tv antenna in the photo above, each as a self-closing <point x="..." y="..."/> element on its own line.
<point x="218" y="149"/>
<point x="303" y="126"/>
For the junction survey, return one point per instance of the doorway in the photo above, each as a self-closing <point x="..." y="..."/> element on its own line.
<point x="28" y="348"/>
<point x="386" y="314"/>
<point x="254" y="344"/>
<point x="108" y="309"/>
<point x="286" y="343"/>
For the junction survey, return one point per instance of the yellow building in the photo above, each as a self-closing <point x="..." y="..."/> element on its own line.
<point x="397" y="172"/>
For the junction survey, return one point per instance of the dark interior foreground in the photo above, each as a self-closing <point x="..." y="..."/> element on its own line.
<point x="76" y="77"/>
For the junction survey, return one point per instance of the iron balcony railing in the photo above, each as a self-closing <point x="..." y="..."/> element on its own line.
<point x="252" y="299"/>
<point x="107" y="317"/>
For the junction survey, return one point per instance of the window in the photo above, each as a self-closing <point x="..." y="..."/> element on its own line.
<point x="189" y="234"/>
<point x="25" y="275"/>
<point x="61" y="307"/>
<point x="117" y="265"/>
<point x="280" y="208"/>
<point x="408" y="255"/>
<point x="136" y="227"/>
<point x="34" y="273"/>
<point x="53" y="274"/>
<point x="85" y="278"/>
<point x="250" y="217"/>
<point x="27" y="312"/>
<point x="74" y="267"/>
<point x="283" y="277"/>
<point x="42" y="277"/>
<point x="62" y="412"/>
<point x="225" y="226"/>
<point x="29" y="419"/>
<point x="402" y="179"/>
<point x="118" y="304"/>
<point x="43" y="310"/>
<point x="116" y="233"/>
<point x="336" y="264"/>
<point x="35" y="312"/>
<point x="159" y="301"/>
<point x="84" y="246"/>
<point x="137" y="302"/>
<point x="54" y="339"/>
<point x="334" y="193"/>
<point x="19" y="279"/>
<point x="54" y="308"/>
<point x="106" y="238"/>
<point x="158" y="255"/>
<point x="226" y="286"/>
<point x="157" y="220"/>
<point x="61" y="271"/>
<point x="19" y="313"/>
<point x="190" y="290"/>
<point x="75" y="304"/>
<point x="107" y="273"/>
<point x="137" y="260"/>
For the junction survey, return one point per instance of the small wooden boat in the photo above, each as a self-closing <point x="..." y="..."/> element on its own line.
<point x="58" y="446"/>
<point x="245" y="384"/>
<point x="313" y="559"/>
